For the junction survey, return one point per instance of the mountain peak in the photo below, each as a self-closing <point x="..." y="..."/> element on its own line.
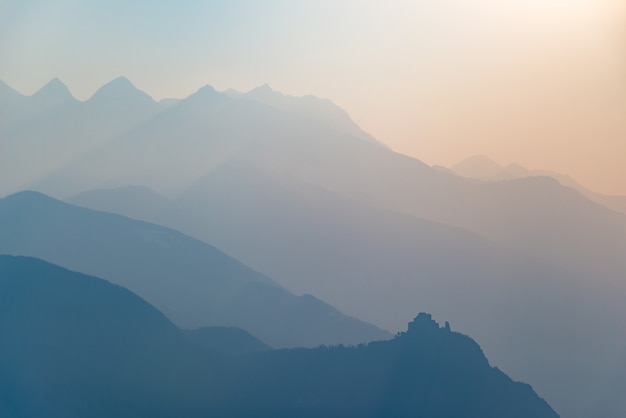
<point x="207" y="92"/>
<point x="55" y="91"/>
<point x="120" y="89"/>
<point x="122" y="82"/>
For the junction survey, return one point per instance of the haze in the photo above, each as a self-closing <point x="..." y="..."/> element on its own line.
<point x="540" y="83"/>
<point x="301" y="220"/>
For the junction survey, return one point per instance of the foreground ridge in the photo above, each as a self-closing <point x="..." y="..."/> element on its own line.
<point x="75" y="345"/>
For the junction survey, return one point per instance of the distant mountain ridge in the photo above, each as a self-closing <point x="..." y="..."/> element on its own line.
<point x="75" y="345"/>
<point x="190" y="281"/>
<point x="58" y="129"/>
<point x="54" y="93"/>
<point x="481" y="167"/>
<point x="111" y="111"/>
<point x="326" y="211"/>
<point x="320" y="110"/>
<point x="121" y="91"/>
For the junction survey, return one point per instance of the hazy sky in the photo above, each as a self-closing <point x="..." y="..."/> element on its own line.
<point x="539" y="82"/>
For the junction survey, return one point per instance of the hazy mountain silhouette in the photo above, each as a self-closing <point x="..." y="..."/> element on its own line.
<point x="190" y="281"/>
<point x="75" y="345"/>
<point x="208" y="129"/>
<point x="18" y="109"/>
<point x="120" y="92"/>
<point x="211" y="127"/>
<point x="53" y="94"/>
<point x="542" y="311"/>
<point x="427" y="371"/>
<point x="481" y="167"/>
<point x="57" y="129"/>
<point x="320" y="110"/>
<point x="261" y="180"/>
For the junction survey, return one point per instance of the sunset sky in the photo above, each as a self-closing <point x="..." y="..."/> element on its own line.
<point x="538" y="82"/>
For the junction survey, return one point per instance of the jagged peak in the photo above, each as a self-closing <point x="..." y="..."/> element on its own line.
<point x="121" y="81"/>
<point x="54" y="89"/>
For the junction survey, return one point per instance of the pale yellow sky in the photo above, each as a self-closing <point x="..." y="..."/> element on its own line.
<point x="538" y="82"/>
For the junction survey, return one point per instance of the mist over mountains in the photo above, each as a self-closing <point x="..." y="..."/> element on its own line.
<point x="481" y="167"/>
<point x="76" y="345"/>
<point x="292" y="188"/>
<point x="193" y="283"/>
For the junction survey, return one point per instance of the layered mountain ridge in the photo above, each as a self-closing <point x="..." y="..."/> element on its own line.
<point x="316" y="205"/>
<point x="483" y="168"/>
<point x="75" y="345"/>
<point x="193" y="283"/>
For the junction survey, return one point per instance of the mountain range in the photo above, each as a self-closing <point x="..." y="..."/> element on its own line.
<point x="481" y="167"/>
<point x="193" y="283"/>
<point x="294" y="189"/>
<point x="76" y="345"/>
